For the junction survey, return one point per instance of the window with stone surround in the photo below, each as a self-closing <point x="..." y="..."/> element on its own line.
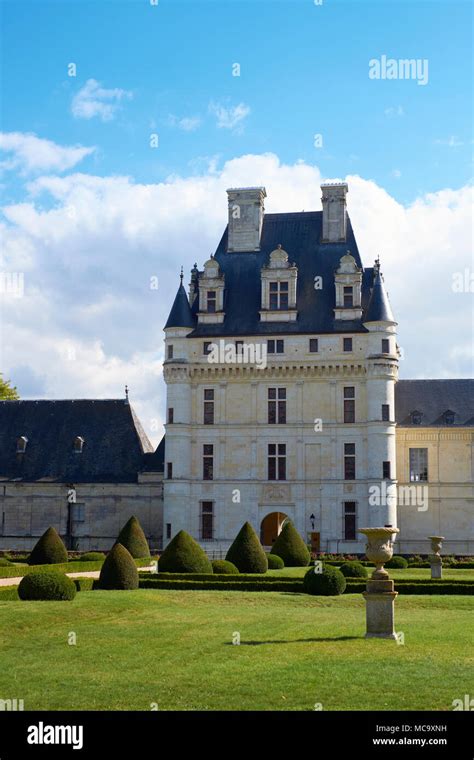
<point x="276" y="461"/>
<point x="313" y="345"/>
<point x="385" y="345"/>
<point x="385" y="412"/>
<point x="208" y="406"/>
<point x="278" y="294"/>
<point x="386" y="470"/>
<point x="349" y="461"/>
<point x="350" y="514"/>
<point x="347" y="344"/>
<point x="78" y="512"/>
<point x="168" y="530"/>
<point x="208" y="461"/>
<point x="349" y="404"/>
<point x="275" y="346"/>
<point x="207" y="520"/>
<point x="170" y="352"/>
<point x="170" y="415"/>
<point x="276" y="406"/>
<point x="169" y="470"/>
<point x="211" y="301"/>
<point x="348" y="296"/>
<point x="418" y="464"/>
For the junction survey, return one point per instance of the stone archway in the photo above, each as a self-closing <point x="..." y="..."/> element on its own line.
<point x="271" y="526"/>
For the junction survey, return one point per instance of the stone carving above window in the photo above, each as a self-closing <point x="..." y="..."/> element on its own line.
<point x="279" y="279"/>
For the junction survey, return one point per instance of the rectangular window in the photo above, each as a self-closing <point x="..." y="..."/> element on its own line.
<point x="168" y="530"/>
<point x="347" y="344"/>
<point x="208" y="462"/>
<point x="276" y="406"/>
<point x="418" y="464"/>
<point x="278" y="296"/>
<point x="275" y="346"/>
<point x="207" y="520"/>
<point x="170" y="415"/>
<point x="206" y="347"/>
<point x="385" y="345"/>
<point x="313" y="346"/>
<point x="385" y="412"/>
<point x="349" y="404"/>
<point x="208" y="406"/>
<point x="170" y="352"/>
<point x="348" y="297"/>
<point x="349" y="461"/>
<point x="169" y="470"/>
<point x="276" y="461"/>
<point x="211" y="301"/>
<point x="386" y="470"/>
<point x="77" y="512"/>
<point x="239" y="346"/>
<point x="350" y="520"/>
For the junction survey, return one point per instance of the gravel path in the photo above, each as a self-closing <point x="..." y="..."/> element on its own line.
<point x="90" y="574"/>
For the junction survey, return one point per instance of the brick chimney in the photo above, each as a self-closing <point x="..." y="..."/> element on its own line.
<point x="334" y="212"/>
<point x="246" y="211"/>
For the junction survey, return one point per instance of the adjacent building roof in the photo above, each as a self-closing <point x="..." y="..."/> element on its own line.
<point x="299" y="234"/>
<point x="432" y="399"/>
<point x="113" y="450"/>
<point x="180" y="314"/>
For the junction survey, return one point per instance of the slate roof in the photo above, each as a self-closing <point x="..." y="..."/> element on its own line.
<point x="299" y="234"/>
<point x="114" y="448"/>
<point x="180" y="314"/>
<point x="433" y="398"/>
<point x="379" y="309"/>
<point x="155" y="462"/>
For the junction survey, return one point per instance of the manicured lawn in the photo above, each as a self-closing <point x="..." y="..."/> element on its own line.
<point x="175" y="649"/>
<point x="409" y="573"/>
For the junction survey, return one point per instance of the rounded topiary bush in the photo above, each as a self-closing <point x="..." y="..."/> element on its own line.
<point x="221" y="566"/>
<point x="91" y="557"/>
<point x="119" y="570"/>
<point x="329" y="582"/>
<point x="275" y="562"/>
<point x="184" y="555"/>
<point x="49" y="550"/>
<point x="247" y="553"/>
<point x="133" y="538"/>
<point x="291" y="547"/>
<point x="398" y="563"/>
<point x="353" y="569"/>
<point x="47" y="585"/>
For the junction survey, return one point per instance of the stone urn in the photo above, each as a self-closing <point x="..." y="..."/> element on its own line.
<point x="436" y="544"/>
<point x="379" y="549"/>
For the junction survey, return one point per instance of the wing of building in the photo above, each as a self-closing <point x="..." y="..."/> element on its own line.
<point x="282" y="395"/>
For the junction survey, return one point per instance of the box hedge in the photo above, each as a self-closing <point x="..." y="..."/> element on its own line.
<point x="184" y="555"/>
<point x="133" y="539"/>
<point x="246" y="552"/>
<point x="50" y="585"/>
<point x="119" y="571"/>
<point x="290" y="547"/>
<point x="49" y="549"/>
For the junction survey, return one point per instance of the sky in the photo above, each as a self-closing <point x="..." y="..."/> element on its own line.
<point x="123" y="123"/>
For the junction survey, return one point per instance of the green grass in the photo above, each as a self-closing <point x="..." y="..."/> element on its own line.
<point x="73" y="566"/>
<point x="408" y="574"/>
<point x="175" y="649"/>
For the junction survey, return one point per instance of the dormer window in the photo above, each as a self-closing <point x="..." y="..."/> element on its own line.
<point x="211" y="301"/>
<point x="21" y="444"/>
<point x="78" y="444"/>
<point x="449" y="417"/>
<point x="416" y="418"/>
<point x="348" y="296"/>
<point x="278" y="295"/>
<point x="211" y="285"/>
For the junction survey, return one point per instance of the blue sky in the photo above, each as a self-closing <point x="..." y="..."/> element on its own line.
<point x="304" y="71"/>
<point x="91" y="212"/>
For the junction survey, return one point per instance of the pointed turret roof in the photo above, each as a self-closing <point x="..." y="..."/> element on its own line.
<point x="379" y="309"/>
<point x="180" y="314"/>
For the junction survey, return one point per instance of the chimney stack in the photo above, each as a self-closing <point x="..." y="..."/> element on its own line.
<point x="246" y="211"/>
<point x="334" y="212"/>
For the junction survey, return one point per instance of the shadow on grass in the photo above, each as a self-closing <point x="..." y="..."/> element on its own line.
<point x="295" y="641"/>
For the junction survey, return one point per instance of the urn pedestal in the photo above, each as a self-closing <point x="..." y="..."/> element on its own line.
<point x="436" y="563"/>
<point x="380" y="595"/>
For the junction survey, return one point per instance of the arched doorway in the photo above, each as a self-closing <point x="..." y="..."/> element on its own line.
<point x="271" y="526"/>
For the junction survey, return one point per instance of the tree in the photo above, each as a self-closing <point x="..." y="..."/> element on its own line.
<point x="7" y="392"/>
<point x="246" y="553"/>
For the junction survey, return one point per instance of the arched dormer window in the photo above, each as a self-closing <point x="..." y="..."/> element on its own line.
<point x="279" y="280"/>
<point x="78" y="444"/>
<point x="416" y="417"/>
<point x="449" y="416"/>
<point x="21" y="444"/>
<point x="348" y="282"/>
<point x="211" y="284"/>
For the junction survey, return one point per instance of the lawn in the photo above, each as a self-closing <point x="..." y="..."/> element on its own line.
<point x="174" y="648"/>
<point x="410" y="573"/>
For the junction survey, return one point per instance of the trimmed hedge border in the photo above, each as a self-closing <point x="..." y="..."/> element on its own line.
<point x="74" y="566"/>
<point x="231" y="585"/>
<point x="219" y="578"/>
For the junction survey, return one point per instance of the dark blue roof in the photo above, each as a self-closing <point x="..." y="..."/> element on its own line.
<point x="432" y="399"/>
<point x="300" y="235"/>
<point x="180" y="314"/>
<point x="114" y="448"/>
<point x="379" y="309"/>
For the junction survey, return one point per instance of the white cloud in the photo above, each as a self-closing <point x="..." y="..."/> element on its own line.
<point x="186" y="123"/>
<point x="393" y="111"/>
<point x="231" y="117"/>
<point x="451" y="142"/>
<point x="28" y="153"/>
<point x="89" y="321"/>
<point x="94" y="100"/>
<point x="396" y="173"/>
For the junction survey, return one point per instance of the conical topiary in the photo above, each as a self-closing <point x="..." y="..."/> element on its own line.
<point x="119" y="570"/>
<point x="49" y="549"/>
<point x="133" y="538"/>
<point x="291" y="547"/>
<point x="184" y="555"/>
<point x="247" y="552"/>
